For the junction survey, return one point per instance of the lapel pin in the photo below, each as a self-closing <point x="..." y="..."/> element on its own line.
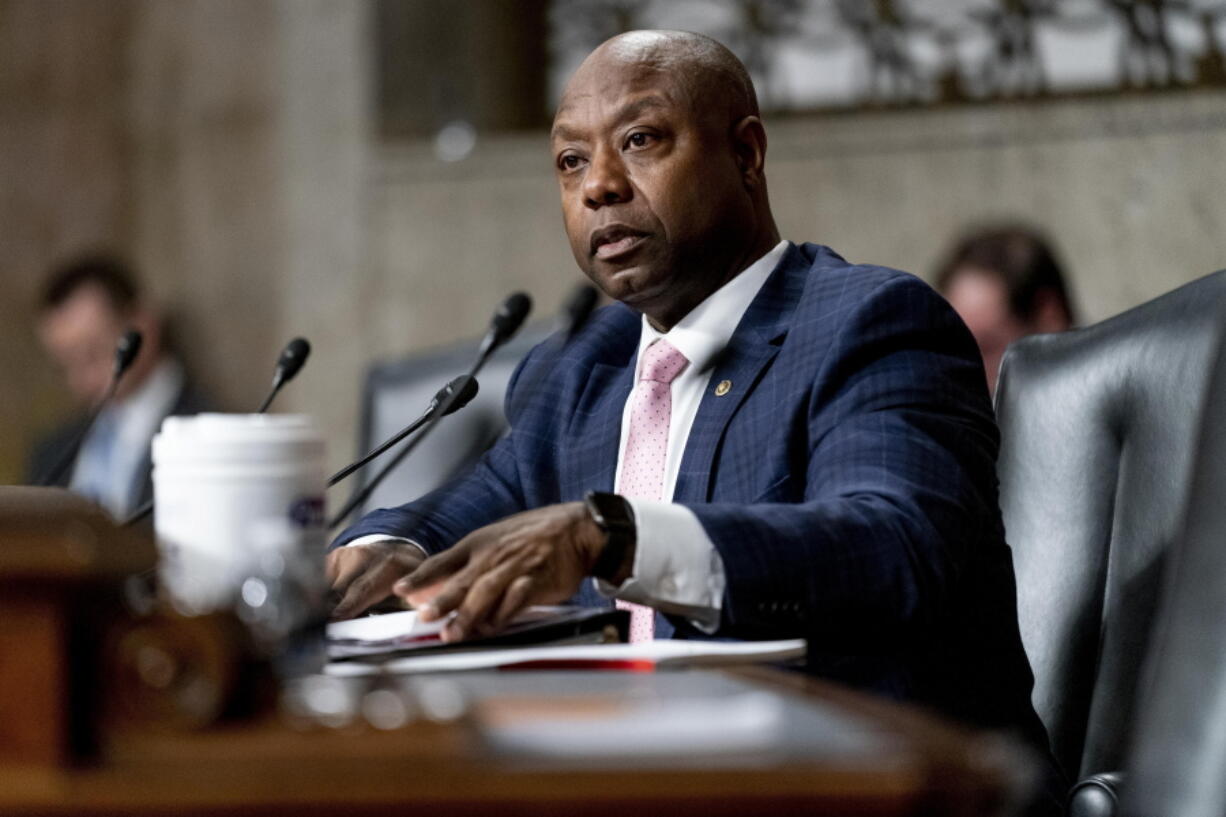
<point x="723" y="388"/>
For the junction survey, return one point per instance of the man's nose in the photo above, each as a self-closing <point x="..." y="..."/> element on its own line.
<point x="605" y="181"/>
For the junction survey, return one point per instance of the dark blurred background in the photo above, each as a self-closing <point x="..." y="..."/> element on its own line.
<point x="374" y="173"/>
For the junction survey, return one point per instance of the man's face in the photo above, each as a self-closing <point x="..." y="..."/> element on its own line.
<point x="80" y="336"/>
<point x="652" y="197"/>
<point x="981" y="299"/>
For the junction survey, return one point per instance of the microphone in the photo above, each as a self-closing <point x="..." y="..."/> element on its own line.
<point x="293" y="356"/>
<point x="466" y="385"/>
<point x="507" y="319"/>
<point x="291" y="361"/>
<point x="126" y="350"/>
<point x="443" y="404"/>
<point x="574" y="315"/>
<point x="125" y="353"/>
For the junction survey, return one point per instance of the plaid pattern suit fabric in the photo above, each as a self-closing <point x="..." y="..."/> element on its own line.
<point x="847" y="480"/>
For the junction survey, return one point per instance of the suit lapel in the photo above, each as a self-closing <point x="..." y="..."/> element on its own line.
<point x="589" y="461"/>
<point x="742" y="364"/>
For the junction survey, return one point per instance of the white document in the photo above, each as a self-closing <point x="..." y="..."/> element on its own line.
<point x="644" y="657"/>
<point x="371" y="636"/>
<point x="385" y="628"/>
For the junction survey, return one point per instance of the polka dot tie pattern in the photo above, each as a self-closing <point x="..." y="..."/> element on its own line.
<point x="642" y="468"/>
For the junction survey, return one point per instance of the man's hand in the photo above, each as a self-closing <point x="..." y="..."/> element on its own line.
<point x="536" y="557"/>
<point x="363" y="575"/>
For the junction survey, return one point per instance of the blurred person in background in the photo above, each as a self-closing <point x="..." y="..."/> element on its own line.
<point x="84" y="308"/>
<point x="1006" y="283"/>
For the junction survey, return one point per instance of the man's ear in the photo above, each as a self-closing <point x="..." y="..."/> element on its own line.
<point x="749" y="146"/>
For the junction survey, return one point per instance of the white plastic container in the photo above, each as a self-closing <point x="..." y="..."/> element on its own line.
<point x="216" y="479"/>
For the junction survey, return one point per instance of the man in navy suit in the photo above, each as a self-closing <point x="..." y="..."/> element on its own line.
<point x="829" y="463"/>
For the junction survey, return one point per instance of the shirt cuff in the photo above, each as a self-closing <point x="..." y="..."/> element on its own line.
<point x="676" y="568"/>
<point x="376" y="538"/>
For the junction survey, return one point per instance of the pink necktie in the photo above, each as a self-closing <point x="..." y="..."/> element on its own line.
<point x="642" y="468"/>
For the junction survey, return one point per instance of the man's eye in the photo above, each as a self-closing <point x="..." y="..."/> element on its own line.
<point x="569" y="162"/>
<point x="638" y="140"/>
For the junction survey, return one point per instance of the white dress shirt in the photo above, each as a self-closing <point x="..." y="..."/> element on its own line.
<point x="134" y="421"/>
<point x="676" y="567"/>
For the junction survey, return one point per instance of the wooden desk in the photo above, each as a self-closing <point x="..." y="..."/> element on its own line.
<point x="916" y="765"/>
<point x="831" y="751"/>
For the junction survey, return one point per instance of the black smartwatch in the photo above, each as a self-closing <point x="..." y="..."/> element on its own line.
<point x="613" y="515"/>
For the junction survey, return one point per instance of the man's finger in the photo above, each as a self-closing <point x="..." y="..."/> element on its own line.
<point x="517" y="597"/>
<point x="432" y="571"/>
<point x="420" y="599"/>
<point x="449" y="597"/>
<point x="369" y="589"/>
<point x="343" y="568"/>
<point x="331" y="562"/>
<point x="477" y="605"/>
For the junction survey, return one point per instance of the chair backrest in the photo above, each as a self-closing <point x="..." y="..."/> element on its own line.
<point x="1098" y="431"/>
<point x="1177" y="763"/>
<point x="397" y="392"/>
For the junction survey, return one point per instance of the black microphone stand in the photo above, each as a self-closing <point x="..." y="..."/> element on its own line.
<point x="578" y="309"/>
<point x="467" y="387"/>
<point x="291" y="361"/>
<point x="451" y="398"/>
<point x="507" y="320"/>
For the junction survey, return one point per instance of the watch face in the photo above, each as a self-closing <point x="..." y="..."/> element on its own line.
<point x="616" y="518"/>
<point x="609" y="510"/>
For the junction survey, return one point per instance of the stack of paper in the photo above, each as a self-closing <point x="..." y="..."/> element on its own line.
<point x="643" y="657"/>
<point x="403" y="632"/>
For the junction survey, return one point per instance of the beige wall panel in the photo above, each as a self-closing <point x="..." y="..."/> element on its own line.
<point x="209" y="230"/>
<point x="455" y="239"/>
<point x="1132" y="190"/>
<point x="325" y="288"/>
<point x="63" y="167"/>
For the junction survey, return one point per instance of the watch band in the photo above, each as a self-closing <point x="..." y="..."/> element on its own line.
<point x="613" y="514"/>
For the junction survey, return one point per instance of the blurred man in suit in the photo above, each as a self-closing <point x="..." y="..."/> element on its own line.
<point x="1005" y="283"/>
<point x="86" y="305"/>
<point x="760" y="440"/>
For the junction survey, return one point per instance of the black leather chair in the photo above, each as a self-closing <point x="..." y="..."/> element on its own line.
<point x="1177" y="763"/>
<point x="1096" y="796"/>
<point x="1099" y="430"/>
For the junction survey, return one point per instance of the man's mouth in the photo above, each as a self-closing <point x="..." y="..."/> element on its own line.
<point x="615" y="240"/>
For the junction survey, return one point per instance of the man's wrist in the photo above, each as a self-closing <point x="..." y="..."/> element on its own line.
<point x="380" y="538"/>
<point x="614" y="517"/>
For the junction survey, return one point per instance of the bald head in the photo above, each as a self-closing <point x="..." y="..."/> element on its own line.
<point x="659" y="154"/>
<point x="705" y="71"/>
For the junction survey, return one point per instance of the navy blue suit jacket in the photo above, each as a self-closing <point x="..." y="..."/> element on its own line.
<point x="847" y="480"/>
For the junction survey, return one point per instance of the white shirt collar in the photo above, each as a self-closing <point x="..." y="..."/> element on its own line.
<point x="706" y="330"/>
